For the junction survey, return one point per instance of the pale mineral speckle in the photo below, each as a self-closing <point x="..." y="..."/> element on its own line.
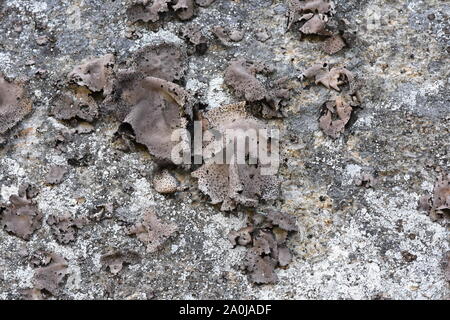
<point x="193" y="85"/>
<point x="5" y="61"/>
<point x="161" y="36"/>
<point x="352" y="171"/>
<point x="74" y="279"/>
<point x="7" y="191"/>
<point x="23" y="276"/>
<point x="216" y="93"/>
<point x="38" y="6"/>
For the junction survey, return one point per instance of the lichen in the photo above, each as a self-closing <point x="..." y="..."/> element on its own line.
<point x="336" y="114"/>
<point x="330" y="78"/>
<point x="166" y="61"/>
<point x="14" y="104"/>
<point x="151" y="10"/>
<point x="194" y="35"/>
<point x="231" y="183"/>
<point x="241" y="75"/>
<point x="67" y="105"/>
<point x="51" y="274"/>
<point x="333" y="44"/>
<point x="184" y="9"/>
<point x="96" y="74"/>
<point x="314" y="14"/>
<point x="21" y="217"/>
<point x="152" y="231"/>
<point x="64" y="227"/>
<point x="265" y="238"/>
<point x="147" y="10"/>
<point x="317" y="17"/>
<point x="56" y="174"/>
<point x="160" y="107"/>
<point x="115" y="260"/>
<point x="438" y="205"/>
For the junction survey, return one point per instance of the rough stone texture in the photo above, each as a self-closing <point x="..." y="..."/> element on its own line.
<point x="352" y="241"/>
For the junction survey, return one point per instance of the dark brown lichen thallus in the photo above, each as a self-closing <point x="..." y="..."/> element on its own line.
<point x="21" y="217"/>
<point x="14" y="104"/>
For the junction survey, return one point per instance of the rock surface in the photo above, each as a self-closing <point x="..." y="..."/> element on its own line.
<point x="353" y="242"/>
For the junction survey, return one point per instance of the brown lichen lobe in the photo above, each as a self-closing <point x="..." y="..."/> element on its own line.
<point x="151" y="10"/>
<point x="228" y="35"/>
<point x="64" y="227"/>
<point x="56" y="174"/>
<point x="313" y="13"/>
<point x="316" y="17"/>
<point x="115" y="260"/>
<point x="148" y="103"/>
<point x="334" y="78"/>
<point x="441" y="199"/>
<point x="21" y="217"/>
<point x="79" y="104"/>
<point x="147" y="10"/>
<point x="51" y="274"/>
<point x="265" y="238"/>
<point x="241" y="237"/>
<point x="184" y="9"/>
<point x="337" y="114"/>
<point x="315" y="25"/>
<point x="160" y="107"/>
<point x="438" y="205"/>
<point x="14" y="104"/>
<point x="333" y="44"/>
<point x="282" y="220"/>
<point x="241" y="76"/>
<point x="230" y="183"/>
<point x="152" y="231"/>
<point x="329" y="78"/>
<point x="95" y="74"/>
<point x="165" y="61"/>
